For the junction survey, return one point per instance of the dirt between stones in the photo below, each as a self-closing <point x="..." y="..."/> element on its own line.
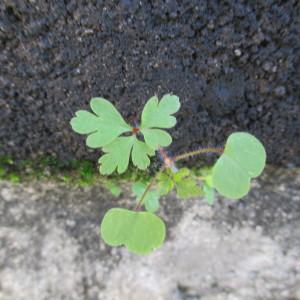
<point x="234" y="65"/>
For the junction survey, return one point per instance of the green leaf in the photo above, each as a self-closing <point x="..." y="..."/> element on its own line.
<point x="209" y="194"/>
<point x="151" y="200"/>
<point x="113" y="188"/>
<point x="158" y="114"/>
<point x="140" y="232"/>
<point x="181" y="174"/>
<point x="156" y="138"/>
<point x="85" y="122"/>
<point x="244" y="158"/>
<point x="187" y="188"/>
<point x="165" y="184"/>
<point x="208" y="179"/>
<point x="140" y="153"/>
<point x="104" y="127"/>
<point x="118" y="154"/>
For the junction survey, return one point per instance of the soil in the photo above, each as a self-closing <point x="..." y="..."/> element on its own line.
<point x="234" y="65"/>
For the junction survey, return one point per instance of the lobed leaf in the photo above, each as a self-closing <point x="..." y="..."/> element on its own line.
<point x="165" y="184"/>
<point x="102" y="128"/>
<point x="158" y="114"/>
<point x="187" y="188"/>
<point x="140" y="154"/>
<point x="118" y="154"/>
<point x="156" y="138"/>
<point x="105" y="126"/>
<point x="140" y="232"/>
<point x="85" y="122"/>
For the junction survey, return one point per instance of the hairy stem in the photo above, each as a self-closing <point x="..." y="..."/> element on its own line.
<point x="139" y="204"/>
<point x="197" y="152"/>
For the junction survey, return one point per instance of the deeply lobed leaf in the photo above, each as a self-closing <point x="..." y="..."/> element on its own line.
<point x="158" y="114"/>
<point x="102" y="128"/>
<point x="105" y="126"/>
<point x="117" y="155"/>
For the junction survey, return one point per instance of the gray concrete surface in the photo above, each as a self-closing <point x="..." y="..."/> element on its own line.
<point x="248" y="250"/>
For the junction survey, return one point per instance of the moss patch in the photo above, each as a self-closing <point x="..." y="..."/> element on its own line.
<point x="82" y="173"/>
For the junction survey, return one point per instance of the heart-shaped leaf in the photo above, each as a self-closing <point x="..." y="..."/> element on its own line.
<point x="244" y="158"/>
<point x="140" y="232"/>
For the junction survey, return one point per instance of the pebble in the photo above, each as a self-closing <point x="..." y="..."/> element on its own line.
<point x="280" y="91"/>
<point x="237" y="52"/>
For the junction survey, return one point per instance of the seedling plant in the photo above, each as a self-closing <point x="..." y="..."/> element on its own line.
<point x="140" y="229"/>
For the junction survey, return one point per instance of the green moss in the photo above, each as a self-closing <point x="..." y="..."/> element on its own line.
<point x="75" y="172"/>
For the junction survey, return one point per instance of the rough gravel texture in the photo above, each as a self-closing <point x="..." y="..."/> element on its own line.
<point x="234" y="64"/>
<point x="249" y="250"/>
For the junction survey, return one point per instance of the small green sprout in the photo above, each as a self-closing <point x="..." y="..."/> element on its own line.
<point x="242" y="158"/>
<point x="186" y="185"/>
<point x="105" y="127"/>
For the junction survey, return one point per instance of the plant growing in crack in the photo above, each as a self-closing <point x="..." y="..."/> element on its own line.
<point x="242" y="158"/>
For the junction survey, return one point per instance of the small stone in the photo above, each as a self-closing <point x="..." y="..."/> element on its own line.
<point x="70" y="223"/>
<point x="280" y="91"/>
<point x="211" y="24"/>
<point x="264" y="87"/>
<point x="258" y="37"/>
<point x="237" y="52"/>
<point x="274" y="69"/>
<point x="267" y="66"/>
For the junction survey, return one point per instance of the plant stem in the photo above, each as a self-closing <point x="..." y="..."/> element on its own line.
<point x="197" y="152"/>
<point x="139" y="204"/>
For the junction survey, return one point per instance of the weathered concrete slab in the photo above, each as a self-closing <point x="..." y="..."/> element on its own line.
<point x="50" y="248"/>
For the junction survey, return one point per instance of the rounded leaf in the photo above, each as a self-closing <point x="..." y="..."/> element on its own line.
<point x="244" y="157"/>
<point x="140" y="232"/>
